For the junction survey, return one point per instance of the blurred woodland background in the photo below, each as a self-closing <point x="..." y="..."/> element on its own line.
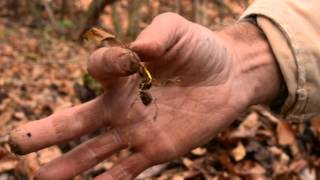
<point x="42" y="70"/>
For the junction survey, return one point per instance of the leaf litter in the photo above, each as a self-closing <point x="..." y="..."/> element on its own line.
<point x="38" y="78"/>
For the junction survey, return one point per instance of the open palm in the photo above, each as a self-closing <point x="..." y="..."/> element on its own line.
<point x="199" y="92"/>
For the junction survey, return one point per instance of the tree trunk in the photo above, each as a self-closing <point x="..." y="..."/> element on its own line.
<point x="92" y="16"/>
<point x="116" y="21"/>
<point x="134" y="19"/>
<point x="178" y="6"/>
<point x="65" y="6"/>
<point x="51" y="16"/>
<point x="200" y="11"/>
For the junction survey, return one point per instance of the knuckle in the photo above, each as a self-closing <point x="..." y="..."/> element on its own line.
<point x="60" y="127"/>
<point x="117" y="138"/>
<point x="167" y="16"/>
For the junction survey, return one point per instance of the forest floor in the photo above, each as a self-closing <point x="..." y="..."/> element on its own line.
<point x="39" y="74"/>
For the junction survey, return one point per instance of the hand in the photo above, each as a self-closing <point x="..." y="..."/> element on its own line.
<point x="206" y="80"/>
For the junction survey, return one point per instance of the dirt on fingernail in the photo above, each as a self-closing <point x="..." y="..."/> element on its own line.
<point x="15" y="148"/>
<point x="133" y="67"/>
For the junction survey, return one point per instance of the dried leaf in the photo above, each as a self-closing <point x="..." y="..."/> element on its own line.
<point x="8" y="164"/>
<point x="248" y="127"/>
<point x="249" y="168"/>
<point x="284" y="133"/>
<point x="29" y="165"/>
<point x="5" y="117"/>
<point x="262" y="111"/>
<point x="187" y="162"/>
<point x="308" y="174"/>
<point x="283" y="157"/>
<point x="48" y="154"/>
<point x="152" y="171"/>
<point x="19" y="115"/>
<point x="315" y="125"/>
<point x="95" y="34"/>
<point x="239" y="152"/>
<point x="99" y="36"/>
<point x="7" y="160"/>
<point x="298" y="165"/>
<point x="178" y="177"/>
<point x="199" y="151"/>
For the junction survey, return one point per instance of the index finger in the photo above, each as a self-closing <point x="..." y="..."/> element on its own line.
<point x="59" y="127"/>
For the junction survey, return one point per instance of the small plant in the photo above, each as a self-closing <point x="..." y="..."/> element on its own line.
<point x="100" y="36"/>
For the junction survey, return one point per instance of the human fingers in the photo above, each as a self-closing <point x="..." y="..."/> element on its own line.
<point x="82" y="157"/>
<point x="110" y="65"/>
<point x="59" y="127"/>
<point x="96" y="150"/>
<point x="106" y="65"/>
<point x="128" y="168"/>
<point x="164" y="32"/>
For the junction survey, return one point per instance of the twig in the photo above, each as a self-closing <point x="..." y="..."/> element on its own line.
<point x="53" y="20"/>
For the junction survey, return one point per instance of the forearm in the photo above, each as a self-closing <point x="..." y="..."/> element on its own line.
<point x="256" y="67"/>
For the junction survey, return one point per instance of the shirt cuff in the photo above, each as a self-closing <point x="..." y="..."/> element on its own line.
<point x="277" y="21"/>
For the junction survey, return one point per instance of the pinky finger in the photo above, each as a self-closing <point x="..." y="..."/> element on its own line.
<point x="127" y="169"/>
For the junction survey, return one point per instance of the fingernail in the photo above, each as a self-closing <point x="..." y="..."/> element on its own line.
<point x="129" y="62"/>
<point x="15" y="148"/>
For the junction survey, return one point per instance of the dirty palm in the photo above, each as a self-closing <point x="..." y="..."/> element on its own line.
<point x="136" y="65"/>
<point x="160" y="109"/>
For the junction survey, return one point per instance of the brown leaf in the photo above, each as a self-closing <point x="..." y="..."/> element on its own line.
<point x="178" y="177"/>
<point x="48" y="154"/>
<point x="98" y="36"/>
<point x="283" y="157"/>
<point x="248" y="127"/>
<point x="298" y="165"/>
<point x="187" y="162"/>
<point x="6" y="50"/>
<point x="239" y="152"/>
<point x="7" y="160"/>
<point x="285" y="134"/>
<point x="199" y="151"/>
<point x="152" y="171"/>
<point x="5" y="117"/>
<point x="8" y="164"/>
<point x="29" y="165"/>
<point x="19" y="115"/>
<point x="315" y="125"/>
<point x="225" y="160"/>
<point x="308" y="174"/>
<point x="262" y="111"/>
<point x="249" y="168"/>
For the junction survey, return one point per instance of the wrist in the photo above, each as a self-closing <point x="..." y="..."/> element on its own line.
<point x="255" y="67"/>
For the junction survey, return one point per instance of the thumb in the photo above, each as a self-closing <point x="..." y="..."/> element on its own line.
<point x="110" y="65"/>
<point x="161" y="35"/>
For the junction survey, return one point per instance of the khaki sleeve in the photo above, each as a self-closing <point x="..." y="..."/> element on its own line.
<point x="292" y="28"/>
